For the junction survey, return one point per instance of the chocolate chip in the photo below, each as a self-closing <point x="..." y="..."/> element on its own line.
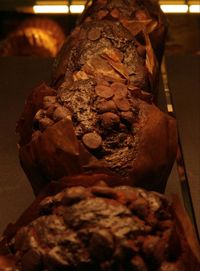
<point x="104" y="91"/>
<point x="123" y="127"/>
<point x="127" y="116"/>
<point x="94" y="34"/>
<point x="120" y="90"/>
<point x="45" y="123"/>
<point x="115" y="13"/>
<point x="103" y="82"/>
<point x="110" y="119"/>
<point x="140" y="207"/>
<point x="74" y="195"/>
<point x="106" y="106"/>
<point x="101" y="14"/>
<point x="92" y="140"/>
<point x="101" y="245"/>
<point x="32" y="261"/>
<point x="49" y="100"/>
<point x="122" y="103"/>
<point x="61" y="113"/>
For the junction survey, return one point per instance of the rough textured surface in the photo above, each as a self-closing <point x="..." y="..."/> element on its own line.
<point x="101" y="228"/>
<point x="134" y="16"/>
<point x="79" y="131"/>
<point x="99" y="114"/>
<point x="143" y="20"/>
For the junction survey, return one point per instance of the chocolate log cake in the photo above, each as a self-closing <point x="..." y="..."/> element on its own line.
<point x="98" y="115"/>
<point x="100" y="229"/>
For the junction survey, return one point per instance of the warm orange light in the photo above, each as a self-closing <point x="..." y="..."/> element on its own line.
<point x="76" y="8"/>
<point x="194" y="9"/>
<point x="50" y="9"/>
<point x="174" y="8"/>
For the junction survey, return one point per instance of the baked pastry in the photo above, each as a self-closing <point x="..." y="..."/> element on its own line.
<point x="106" y="50"/>
<point x="134" y="15"/>
<point x="98" y="115"/>
<point x="80" y="131"/>
<point x="135" y="30"/>
<point x="100" y="228"/>
<point x="34" y="37"/>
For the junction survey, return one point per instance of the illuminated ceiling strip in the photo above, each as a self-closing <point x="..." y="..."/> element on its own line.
<point x="76" y="8"/>
<point x="194" y="9"/>
<point x="50" y="9"/>
<point x="174" y="8"/>
<point x="79" y="8"/>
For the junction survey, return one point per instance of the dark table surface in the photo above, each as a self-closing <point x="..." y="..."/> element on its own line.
<point x="19" y="75"/>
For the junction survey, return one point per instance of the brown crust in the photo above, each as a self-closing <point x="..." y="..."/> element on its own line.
<point x="163" y="224"/>
<point x="100" y="116"/>
<point x="134" y="15"/>
<point x="57" y="151"/>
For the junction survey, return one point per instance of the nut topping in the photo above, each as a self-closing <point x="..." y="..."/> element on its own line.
<point x="94" y="34"/>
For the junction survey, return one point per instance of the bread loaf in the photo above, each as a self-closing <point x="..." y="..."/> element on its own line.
<point x="100" y="228"/>
<point x="99" y="115"/>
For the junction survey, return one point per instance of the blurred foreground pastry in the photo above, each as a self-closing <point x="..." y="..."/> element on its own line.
<point x="98" y="115"/>
<point x="100" y="228"/>
<point x="34" y="37"/>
